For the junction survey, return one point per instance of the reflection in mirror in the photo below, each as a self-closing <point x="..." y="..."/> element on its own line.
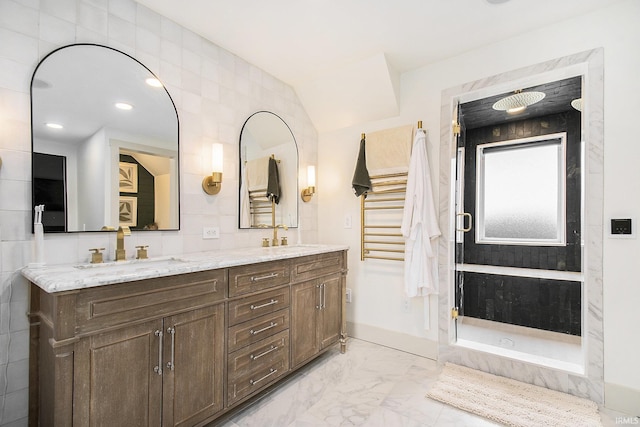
<point x="268" y="173"/>
<point x="104" y="141"/>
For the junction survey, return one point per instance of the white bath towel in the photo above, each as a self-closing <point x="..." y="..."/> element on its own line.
<point x="420" y="228"/>
<point x="245" y="201"/>
<point x="388" y="151"/>
<point x="258" y="174"/>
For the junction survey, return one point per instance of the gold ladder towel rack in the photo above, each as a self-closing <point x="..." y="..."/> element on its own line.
<point x="261" y="208"/>
<point x="381" y="215"/>
<point x="380" y="218"/>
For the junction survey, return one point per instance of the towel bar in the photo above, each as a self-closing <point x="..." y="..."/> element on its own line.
<point x="380" y="217"/>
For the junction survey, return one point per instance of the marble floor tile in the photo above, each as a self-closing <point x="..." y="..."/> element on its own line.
<point x="370" y="385"/>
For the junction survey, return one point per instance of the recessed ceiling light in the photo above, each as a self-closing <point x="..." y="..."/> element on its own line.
<point x="153" y="82"/>
<point x="54" y="125"/>
<point x="123" y="106"/>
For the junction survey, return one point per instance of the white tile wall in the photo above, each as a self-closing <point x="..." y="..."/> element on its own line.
<point x="214" y="92"/>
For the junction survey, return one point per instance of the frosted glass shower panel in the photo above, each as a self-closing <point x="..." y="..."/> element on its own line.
<point x="521" y="189"/>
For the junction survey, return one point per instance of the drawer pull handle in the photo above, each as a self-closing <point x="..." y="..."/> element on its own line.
<point x="255" y="307"/>
<point x="268" y="276"/>
<point x="272" y="325"/>
<point x="264" y="353"/>
<point x="271" y="372"/>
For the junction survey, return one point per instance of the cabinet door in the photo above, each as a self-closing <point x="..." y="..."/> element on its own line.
<point x="193" y="368"/>
<point x="116" y="382"/>
<point x="330" y="313"/>
<point x="305" y="300"/>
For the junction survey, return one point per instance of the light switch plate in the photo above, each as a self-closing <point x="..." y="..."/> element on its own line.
<point x="622" y="228"/>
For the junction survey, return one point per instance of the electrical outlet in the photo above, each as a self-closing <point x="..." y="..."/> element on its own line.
<point x="406" y="305"/>
<point x="347" y="221"/>
<point x="211" y="233"/>
<point x="349" y="295"/>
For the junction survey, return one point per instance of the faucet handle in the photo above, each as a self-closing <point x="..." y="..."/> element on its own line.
<point x="96" y="256"/>
<point x="142" y="252"/>
<point x="265" y="242"/>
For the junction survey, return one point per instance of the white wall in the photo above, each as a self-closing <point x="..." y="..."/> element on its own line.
<point x="377" y="285"/>
<point x="214" y="92"/>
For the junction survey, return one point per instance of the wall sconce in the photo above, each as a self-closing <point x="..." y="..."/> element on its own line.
<point x="211" y="184"/>
<point x="308" y="192"/>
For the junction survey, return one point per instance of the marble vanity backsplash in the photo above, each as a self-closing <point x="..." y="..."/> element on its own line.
<point x="59" y="278"/>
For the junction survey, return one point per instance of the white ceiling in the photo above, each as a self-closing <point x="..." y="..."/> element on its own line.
<point x="306" y="43"/>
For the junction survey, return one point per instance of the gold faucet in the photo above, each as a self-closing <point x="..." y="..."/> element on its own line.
<point x="120" y="252"/>
<point x="275" y="242"/>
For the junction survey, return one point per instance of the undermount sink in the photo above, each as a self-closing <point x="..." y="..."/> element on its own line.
<point x="142" y="263"/>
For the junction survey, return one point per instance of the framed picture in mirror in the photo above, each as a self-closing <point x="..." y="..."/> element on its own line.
<point x="128" y="211"/>
<point x="128" y="177"/>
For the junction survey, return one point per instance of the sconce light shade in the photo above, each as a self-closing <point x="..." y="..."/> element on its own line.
<point x="211" y="184"/>
<point x="308" y="192"/>
<point x="217" y="157"/>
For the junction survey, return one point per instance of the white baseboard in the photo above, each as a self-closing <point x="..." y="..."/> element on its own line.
<point x="403" y="342"/>
<point x="622" y="399"/>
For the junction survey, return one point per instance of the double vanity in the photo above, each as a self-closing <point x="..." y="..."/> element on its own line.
<point x="173" y="341"/>
<point x="178" y="341"/>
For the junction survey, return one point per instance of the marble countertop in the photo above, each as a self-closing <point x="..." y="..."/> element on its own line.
<point x="59" y="278"/>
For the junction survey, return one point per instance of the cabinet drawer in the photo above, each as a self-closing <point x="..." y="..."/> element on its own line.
<point x="249" y="382"/>
<point x="257" y="305"/>
<point x="256" y="277"/>
<point x="257" y="356"/>
<point x="313" y="266"/>
<point x="257" y="329"/>
<point x="107" y="306"/>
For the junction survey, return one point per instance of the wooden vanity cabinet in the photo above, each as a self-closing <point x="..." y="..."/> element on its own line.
<point x="258" y="331"/>
<point x="317" y="305"/>
<point x="180" y="350"/>
<point x="146" y="353"/>
<point x="159" y="372"/>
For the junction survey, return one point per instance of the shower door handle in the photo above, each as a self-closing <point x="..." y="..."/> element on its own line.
<point x="467" y="215"/>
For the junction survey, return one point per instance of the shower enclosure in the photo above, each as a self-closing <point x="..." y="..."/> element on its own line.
<point x="523" y="264"/>
<point x="518" y="259"/>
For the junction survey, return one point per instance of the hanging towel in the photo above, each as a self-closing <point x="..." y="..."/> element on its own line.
<point x="273" y="185"/>
<point x="245" y="201"/>
<point x="258" y="174"/>
<point x="420" y="228"/>
<point x="389" y="150"/>
<point x="361" y="182"/>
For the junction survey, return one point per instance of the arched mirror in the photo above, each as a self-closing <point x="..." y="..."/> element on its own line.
<point x="104" y="143"/>
<point x="268" y="173"/>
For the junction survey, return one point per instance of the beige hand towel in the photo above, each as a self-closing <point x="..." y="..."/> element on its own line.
<point x="258" y="174"/>
<point x="388" y="151"/>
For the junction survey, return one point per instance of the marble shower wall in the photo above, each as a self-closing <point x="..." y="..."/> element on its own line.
<point x="214" y="91"/>
<point x="590" y="385"/>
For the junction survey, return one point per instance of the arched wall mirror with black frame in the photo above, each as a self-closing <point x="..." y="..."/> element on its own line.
<point x="268" y="165"/>
<point x="105" y="143"/>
